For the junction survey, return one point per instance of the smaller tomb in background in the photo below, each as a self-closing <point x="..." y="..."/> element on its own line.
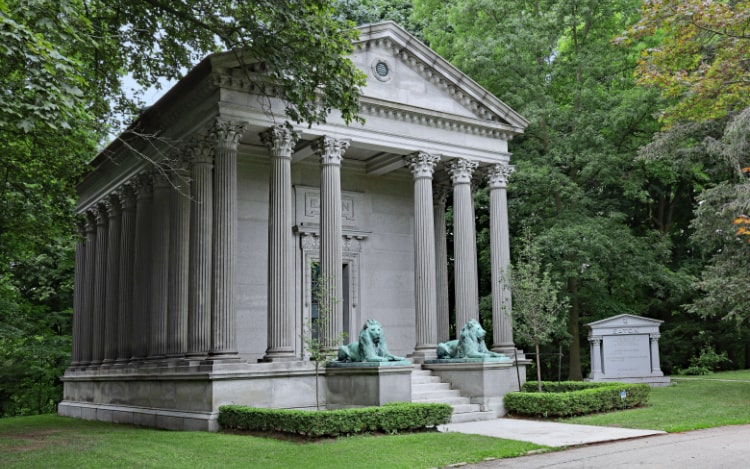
<point x="626" y="348"/>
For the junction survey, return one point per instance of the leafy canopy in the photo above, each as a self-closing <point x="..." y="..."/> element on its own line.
<point x="700" y="59"/>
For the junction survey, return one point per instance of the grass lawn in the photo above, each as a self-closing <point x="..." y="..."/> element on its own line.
<point x="690" y="403"/>
<point x="52" y="441"/>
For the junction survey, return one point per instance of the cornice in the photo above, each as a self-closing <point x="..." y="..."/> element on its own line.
<point x="435" y="119"/>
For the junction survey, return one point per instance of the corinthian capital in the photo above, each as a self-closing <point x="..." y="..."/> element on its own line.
<point x="228" y="133"/>
<point x="421" y="164"/>
<point x="461" y="170"/>
<point x="330" y="150"/>
<point x="280" y="140"/>
<point x="498" y="175"/>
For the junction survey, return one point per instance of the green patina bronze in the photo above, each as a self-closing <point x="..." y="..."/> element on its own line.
<point x="470" y="344"/>
<point x="371" y="346"/>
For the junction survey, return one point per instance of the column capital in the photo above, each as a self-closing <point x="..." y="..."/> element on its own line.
<point x="228" y="133"/>
<point x="159" y="180"/>
<point x="440" y="194"/>
<point x="422" y="164"/>
<point x="280" y="140"/>
<point x="126" y="194"/>
<point x="112" y="204"/>
<point x="330" y="150"/>
<point x="498" y="175"/>
<point x="90" y="220"/>
<point x="461" y="170"/>
<point x="594" y="339"/>
<point x="654" y="337"/>
<point x="143" y="185"/>
<point x="100" y="213"/>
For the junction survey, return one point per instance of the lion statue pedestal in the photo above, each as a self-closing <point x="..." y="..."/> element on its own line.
<point x="480" y="374"/>
<point x="366" y="373"/>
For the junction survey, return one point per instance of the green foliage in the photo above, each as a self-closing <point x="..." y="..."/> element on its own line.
<point x="575" y="398"/>
<point x="699" y="59"/>
<point x="390" y="418"/>
<point x="706" y="362"/>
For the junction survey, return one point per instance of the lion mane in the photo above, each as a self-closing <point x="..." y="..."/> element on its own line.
<point x="371" y="346"/>
<point x="470" y="344"/>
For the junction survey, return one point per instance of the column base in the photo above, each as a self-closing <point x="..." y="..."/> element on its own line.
<point x="421" y="354"/>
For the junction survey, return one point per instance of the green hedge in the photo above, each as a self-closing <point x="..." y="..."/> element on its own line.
<point x="575" y="398"/>
<point x="390" y="418"/>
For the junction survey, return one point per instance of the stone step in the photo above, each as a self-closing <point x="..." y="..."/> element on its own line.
<point x="473" y="416"/>
<point x="425" y="379"/>
<point x="427" y="387"/>
<point x="465" y="408"/>
<point x="437" y="394"/>
<point x="445" y="400"/>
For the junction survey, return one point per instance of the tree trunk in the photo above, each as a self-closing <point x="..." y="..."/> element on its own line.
<point x="574" y="363"/>
<point x="538" y="367"/>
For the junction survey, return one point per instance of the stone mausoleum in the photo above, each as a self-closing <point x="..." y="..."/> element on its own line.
<point x="207" y="229"/>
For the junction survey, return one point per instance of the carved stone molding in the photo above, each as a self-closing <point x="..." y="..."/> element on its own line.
<point x="330" y="150"/>
<point x="498" y="175"/>
<point x="280" y="141"/>
<point x="421" y="164"/>
<point x="461" y="170"/>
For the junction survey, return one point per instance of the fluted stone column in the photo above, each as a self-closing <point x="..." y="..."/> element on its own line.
<point x="79" y="298"/>
<point x="201" y="235"/>
<point x="126" y="195"/>
<point x="502" y="320"/>
<point x="142" y="267"/>
<point x="280" y="141"/>
<point x="331" y="152"/>
<point x="100" y="286"/>
<point x="89" y="277"/>
<point x="595" y="343"/>
<point x="223" y="314"/>
<point x="179" y="255"/>
<point x="157" y="348"/>
<point x="113" y="278"/>
<point x="441" y="264"/>
<point x="422" y="167"/>
<point x="464" y="242"/>
<point x="655" y="361"/>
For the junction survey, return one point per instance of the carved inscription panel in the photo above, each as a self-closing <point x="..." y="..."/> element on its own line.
<point x="626" y="355"/>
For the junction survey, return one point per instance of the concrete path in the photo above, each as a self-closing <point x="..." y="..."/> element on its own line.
<point x="713" y="448"/>
<point x="546" y="433"/>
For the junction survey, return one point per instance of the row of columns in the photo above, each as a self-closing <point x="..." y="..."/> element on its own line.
<point x="431" y="277"/>
<point x="155" y="268"/>
<point x="155" y="261"/>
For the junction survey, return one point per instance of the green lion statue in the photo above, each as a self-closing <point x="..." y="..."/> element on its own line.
<point x="470" y="344"/>
<point x="371" y="346"/>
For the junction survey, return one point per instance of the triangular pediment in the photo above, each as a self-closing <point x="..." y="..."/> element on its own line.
<point x="625" y="321"/>
<point x="401" y="69"/>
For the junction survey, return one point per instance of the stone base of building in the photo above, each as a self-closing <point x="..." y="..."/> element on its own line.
<point x="186" y="396"/>
<point x="367" y="384"/>
<point x="483" y="381"/>
<point x="652" y="380"/>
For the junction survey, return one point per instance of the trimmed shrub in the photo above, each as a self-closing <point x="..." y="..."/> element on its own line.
<point x="571" y="398"/>
<point x="389" y="418"/>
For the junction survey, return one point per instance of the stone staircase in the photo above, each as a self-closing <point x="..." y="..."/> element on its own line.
<point x="426" y="387"/>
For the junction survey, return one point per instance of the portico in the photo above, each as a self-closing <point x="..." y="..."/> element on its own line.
<point x="200" y="249"/>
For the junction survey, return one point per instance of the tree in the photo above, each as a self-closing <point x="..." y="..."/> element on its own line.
<point x="578" y="184"/>
<point x="62" y="70"/>
<point x="538" y="314"/>
<point x="321" y="349"/>
<point x="700" y="58"/>
<point x="720" y="223"/>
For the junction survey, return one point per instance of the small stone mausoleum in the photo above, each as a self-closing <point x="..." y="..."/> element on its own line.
<point x="626" y="348"/>
<point x="202" y="244"/>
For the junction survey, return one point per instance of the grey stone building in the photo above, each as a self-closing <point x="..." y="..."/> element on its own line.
<point x="196" y="266"/>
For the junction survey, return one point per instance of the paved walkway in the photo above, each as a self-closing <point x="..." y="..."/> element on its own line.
<point x="546" y="433"/>
<point x="713" y="448"/>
